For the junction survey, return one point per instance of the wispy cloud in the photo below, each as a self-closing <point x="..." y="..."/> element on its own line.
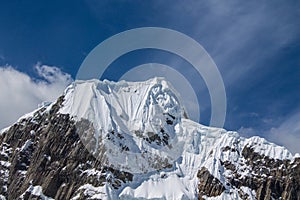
<point x="288" y="133"/>
<point x="21" y="94"/>
<point x="240" y="36"/>
<point x="247" y="131"/>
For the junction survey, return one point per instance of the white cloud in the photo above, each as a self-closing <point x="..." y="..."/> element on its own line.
<point x="247" y="131"/>
<point x="20" y="94"/>
<point x="288" y="133"/>
<point x="240" y="36"/>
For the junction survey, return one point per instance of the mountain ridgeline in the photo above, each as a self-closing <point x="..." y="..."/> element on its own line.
<point x="132" y="140"/>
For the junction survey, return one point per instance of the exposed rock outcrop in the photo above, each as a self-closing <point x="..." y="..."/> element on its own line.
<point x="270" y="178"/>
<point x="45" y="150"/>
<point x="208" y="184"/>
<point x="106" y="147"/>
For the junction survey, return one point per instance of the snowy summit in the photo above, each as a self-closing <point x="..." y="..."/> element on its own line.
<point x="133" y="140"/>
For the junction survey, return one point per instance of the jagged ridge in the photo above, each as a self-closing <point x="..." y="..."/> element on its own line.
<point x="139" y="146"/>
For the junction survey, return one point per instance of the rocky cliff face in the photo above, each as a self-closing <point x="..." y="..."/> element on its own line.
<point x="56" y="155"/>
<point x="268" y="178"/>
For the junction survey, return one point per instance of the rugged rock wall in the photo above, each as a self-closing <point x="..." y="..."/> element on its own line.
<point x="208" y="185"/>
<point x="45" y="150"/>
<point x="272" y="179"/>
<point x="269" y="178"/>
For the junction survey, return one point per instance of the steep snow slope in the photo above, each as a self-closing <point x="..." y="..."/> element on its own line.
<point x="144" y="148"/>
<point x="134" y="121"/>
<point x="123" y="104"/>
<point x="136" y="109"/>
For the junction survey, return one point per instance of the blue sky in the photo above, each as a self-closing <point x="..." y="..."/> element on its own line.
<point x="255" y="44"/>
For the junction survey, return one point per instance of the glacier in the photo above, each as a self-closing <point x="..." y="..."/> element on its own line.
<point x="142" y="129"/>
<point x="137" y="108"/>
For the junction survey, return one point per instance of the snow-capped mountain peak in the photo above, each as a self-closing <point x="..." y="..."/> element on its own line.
<point x="139" y="105"/>
<point x="133" y="121"/>
<point x="131" y="140"/>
